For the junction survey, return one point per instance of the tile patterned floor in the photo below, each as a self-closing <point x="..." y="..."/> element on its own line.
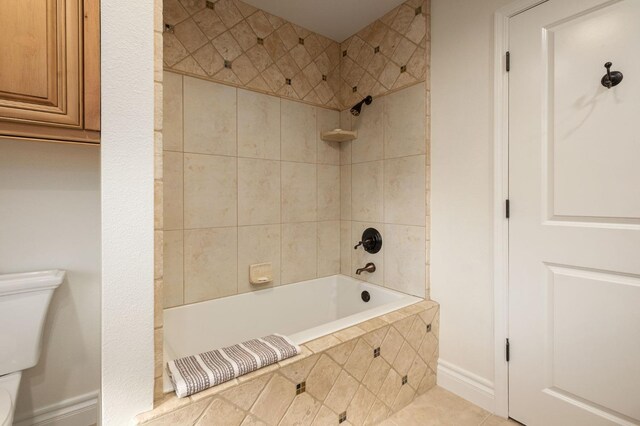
<point x="440" y="407"/>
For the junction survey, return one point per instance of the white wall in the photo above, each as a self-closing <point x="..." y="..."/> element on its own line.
<point x="50" y="218"/>
<point x="462" y="186"/>
<point x="127" y="209"/>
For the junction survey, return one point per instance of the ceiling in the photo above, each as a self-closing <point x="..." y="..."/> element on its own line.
<point x="336" y="19"/>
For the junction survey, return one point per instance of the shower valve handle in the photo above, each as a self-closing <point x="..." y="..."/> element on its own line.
<point x="365" y="242"/>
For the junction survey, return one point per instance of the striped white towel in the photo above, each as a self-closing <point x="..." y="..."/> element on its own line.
<point x="196" y="373"/>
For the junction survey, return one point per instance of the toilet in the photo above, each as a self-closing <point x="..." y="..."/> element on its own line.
<point x="24" y="301"/>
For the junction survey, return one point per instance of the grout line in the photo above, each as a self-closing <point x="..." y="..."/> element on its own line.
<point x="237" y="200"/>
<point x="184" y="287"/>
<point x="281" y="200"/>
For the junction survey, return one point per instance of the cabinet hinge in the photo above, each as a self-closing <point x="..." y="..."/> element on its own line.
<point x="508" y="61"/>
<point x="507" y="351"/>
<point x="506" y="208"/>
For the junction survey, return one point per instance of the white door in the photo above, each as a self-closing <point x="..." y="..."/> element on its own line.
<point x="574" y="230"/>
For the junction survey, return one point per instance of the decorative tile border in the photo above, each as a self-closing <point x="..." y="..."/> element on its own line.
<point x="235" y="43"/>
<point x="388" y="54"/>
<point x="232" y="42"/>
<point x="335" y="379"/>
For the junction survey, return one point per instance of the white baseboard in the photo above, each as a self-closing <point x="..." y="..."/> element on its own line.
<point x="78" y="411"/>
<point x="467" y="385"/>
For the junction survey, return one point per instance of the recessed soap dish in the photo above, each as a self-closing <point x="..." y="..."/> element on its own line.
<point x="339" y="135"/>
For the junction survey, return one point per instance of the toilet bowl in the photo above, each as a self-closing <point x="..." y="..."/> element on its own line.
<point x="9" y="384"/>
<point x="24" y="301"/>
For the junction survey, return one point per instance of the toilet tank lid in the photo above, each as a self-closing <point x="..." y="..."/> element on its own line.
<point x="30" y="281"/>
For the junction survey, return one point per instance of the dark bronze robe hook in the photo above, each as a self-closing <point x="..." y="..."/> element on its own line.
<point x="611" y="78"/>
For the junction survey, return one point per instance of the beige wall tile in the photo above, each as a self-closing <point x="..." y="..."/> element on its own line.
<point x="172" y="111"/>
<point x="345" y="192"/>
<point x="328" y="248"/>
<point x="404" y="190"/>
<point x="359" y="257"/>
<point x="258" y="191"/>
<point x="346" y="247"/>
<point x="173" y="206"/>
<point x="299" y="192"/>
<point x="210" y="263"/>
<point x="328" y="152"/>
<point x="369" y="144"/>
<point x="299" y="251"/>
<point x="258" y="125"/>
<point x="346" y="119"/>
<point x="173" y="268"/>
<point x="209" y="117"/>
<point x="328" y="192"/>
<point x="210" y="191"/>
<point x="345" y="153"/>
<point x="258" y="244"/>
<point x="404" y="124"/>
<point x="404" y="259"/>
<point x="298" y="132"/>
<point x="366" y="191"/>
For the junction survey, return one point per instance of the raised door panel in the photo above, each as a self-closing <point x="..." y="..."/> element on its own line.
<point x="41" y="67"/>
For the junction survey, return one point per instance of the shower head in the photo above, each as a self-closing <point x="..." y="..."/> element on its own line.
<point x="355" y="110"/>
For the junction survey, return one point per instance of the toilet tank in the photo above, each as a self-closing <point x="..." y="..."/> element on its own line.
<point x="24" y="301"/>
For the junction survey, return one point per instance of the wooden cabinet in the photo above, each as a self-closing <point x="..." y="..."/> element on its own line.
<point x="50" y="69"/>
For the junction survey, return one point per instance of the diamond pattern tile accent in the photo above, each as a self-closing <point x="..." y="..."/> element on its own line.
<point x="344" y="381"/>
<point x="264" y="51"/>
<point x="384" y="49"/>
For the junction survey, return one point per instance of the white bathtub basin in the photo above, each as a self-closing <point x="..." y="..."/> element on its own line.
<point x="303" y="311"/>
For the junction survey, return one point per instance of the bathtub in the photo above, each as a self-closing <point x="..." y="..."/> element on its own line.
<point x="302" y="311"/>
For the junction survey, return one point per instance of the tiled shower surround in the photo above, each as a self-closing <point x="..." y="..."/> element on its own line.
<point x="359" y="375"/>
<point x="383" y="184"/>
<point x="247" y="180"/>
<point x="245" y="176"/>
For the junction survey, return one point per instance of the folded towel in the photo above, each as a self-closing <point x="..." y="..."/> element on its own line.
<point x="196" y="373"/>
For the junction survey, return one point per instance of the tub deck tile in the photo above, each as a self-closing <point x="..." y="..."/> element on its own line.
<point x="393" y="316"/>
<point x="323" y="343"/>
<point x="298" y="372"/>
<point x="372" y="324"/>
<point x="260" y="372"/>
<point x="304" y="353"/>
<point x="375" y="338"/>
<point x="413" y="309"/>
<point x="341" y="353"/>
<point x="214" y="390"/>
<point x="367" y="372"/>
<point x="349" y="333"/>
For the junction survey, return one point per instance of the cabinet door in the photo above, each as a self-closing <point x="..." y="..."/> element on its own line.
<point x="41" y="66"/>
